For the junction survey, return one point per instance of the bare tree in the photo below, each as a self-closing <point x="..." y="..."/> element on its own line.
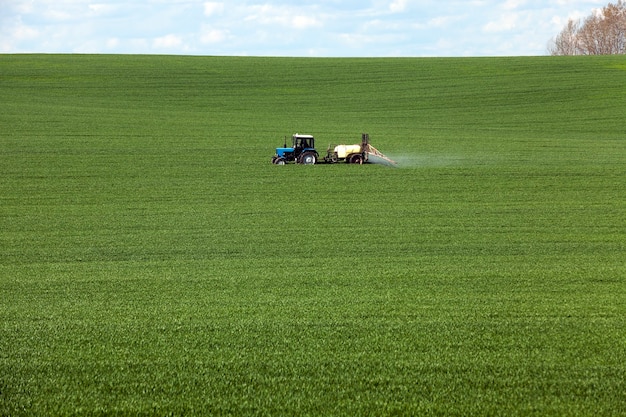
<point x="601" y="33"/>
<point x="566" y="42"/>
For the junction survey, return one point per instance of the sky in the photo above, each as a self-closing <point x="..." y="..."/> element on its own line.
<point x="294" y="28"/>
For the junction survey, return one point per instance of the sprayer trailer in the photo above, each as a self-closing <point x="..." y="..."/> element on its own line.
<point x="360" y="153"/>
<point x="303" y="151"/>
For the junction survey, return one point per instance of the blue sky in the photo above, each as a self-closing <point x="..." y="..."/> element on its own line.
<point x="322" y="28"/>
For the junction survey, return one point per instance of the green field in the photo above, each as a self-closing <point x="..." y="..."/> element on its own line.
<point x="154" y="262"/>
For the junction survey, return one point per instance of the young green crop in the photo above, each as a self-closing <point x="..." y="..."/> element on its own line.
<point x="154" y="261"/>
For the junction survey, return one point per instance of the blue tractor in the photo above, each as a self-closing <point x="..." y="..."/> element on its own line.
<point x="302" y="151"/>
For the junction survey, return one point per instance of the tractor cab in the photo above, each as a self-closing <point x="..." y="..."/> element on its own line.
<point x="303" y="142"/>
<point x="302" y="151"/>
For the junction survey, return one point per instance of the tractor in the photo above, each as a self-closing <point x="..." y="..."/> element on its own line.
<point x="302" y="151"/>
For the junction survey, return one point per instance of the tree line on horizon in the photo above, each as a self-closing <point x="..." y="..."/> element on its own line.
<point x="603" y="32"/>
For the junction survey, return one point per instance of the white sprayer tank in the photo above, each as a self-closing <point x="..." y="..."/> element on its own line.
<point x="345" y="150"/>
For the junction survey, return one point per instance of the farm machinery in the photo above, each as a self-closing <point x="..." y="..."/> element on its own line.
<point x="303" y="151"/>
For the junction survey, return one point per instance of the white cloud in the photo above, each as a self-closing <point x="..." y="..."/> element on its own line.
<point x="22" y="32"/>
<point x="102" y="9"/>
<point x="504" y="22"/>
<point x="213" y="8"/>
<point x="304" y="22"/>
<point x="168" y="42"/>
<point x="55" y="14"/>
<point x="397" y="6"/>
<point x="290" y="17"/>
<point x="513" y="4"/>
<point x="213" y="36"/>
<point x="438" y="22"/>
<point x="24" y="6"/>
<point x="112" y="43"/>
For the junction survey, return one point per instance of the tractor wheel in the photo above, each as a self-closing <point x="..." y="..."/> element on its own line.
<point x="279" y="161"/>
<point x="356" y="159"/>
<point x="274" y="159"/>
<point x="308" y="158"/>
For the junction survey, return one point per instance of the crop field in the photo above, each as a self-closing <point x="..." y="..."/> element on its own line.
<point x="154" y="262"/>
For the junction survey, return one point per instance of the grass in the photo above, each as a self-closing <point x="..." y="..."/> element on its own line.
<point x="153" y="261"/>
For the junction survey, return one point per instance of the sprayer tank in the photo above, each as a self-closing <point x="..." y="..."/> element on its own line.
<point x="344" y="150"/>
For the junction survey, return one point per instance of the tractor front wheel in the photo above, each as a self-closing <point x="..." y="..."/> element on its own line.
<point x="279" y="161"/>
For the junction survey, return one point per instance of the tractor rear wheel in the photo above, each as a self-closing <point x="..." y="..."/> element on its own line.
<point x="308" y="158"/>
